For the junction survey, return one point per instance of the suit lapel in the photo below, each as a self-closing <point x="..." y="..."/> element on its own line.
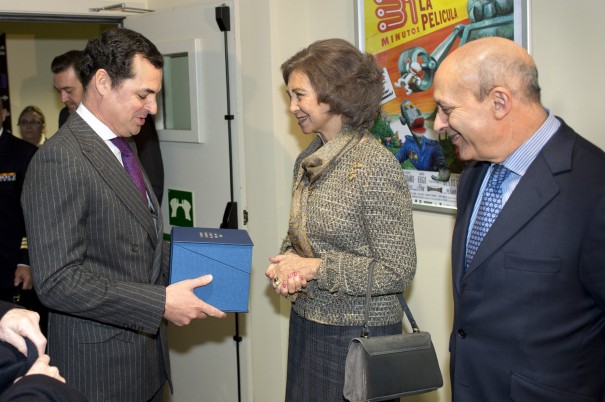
<point x="159" y="231"/>
<point x="113" y="173"/>
<point x="535" y="190"/>
<point x="470" y="184"/>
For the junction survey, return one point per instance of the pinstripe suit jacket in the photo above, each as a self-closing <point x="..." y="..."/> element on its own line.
<point x="98" y="260"/>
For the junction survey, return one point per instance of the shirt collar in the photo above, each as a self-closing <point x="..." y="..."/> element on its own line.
<point x="99" y="127"/>
<point x="519" y="161"/>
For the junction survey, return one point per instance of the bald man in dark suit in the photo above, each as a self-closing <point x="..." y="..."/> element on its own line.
<point x="528" y="249"/>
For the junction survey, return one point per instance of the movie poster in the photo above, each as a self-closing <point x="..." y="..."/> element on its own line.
<point x="410" y="39"/>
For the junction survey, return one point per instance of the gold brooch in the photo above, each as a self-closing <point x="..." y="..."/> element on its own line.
<point x="353" y="173"/>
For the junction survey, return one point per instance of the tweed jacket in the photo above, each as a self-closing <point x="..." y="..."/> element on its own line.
<point x="98" y="261"/>
<point x="358" y="213"/>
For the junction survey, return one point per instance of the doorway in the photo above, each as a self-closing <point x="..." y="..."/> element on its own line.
<point x="31" y="46"/>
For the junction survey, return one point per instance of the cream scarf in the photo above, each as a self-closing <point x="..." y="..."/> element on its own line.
<point x="312" y="169"/>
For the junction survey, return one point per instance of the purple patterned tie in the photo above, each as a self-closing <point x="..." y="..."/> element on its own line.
<point x="491" y="204"/>
<point x="130" y="164"/>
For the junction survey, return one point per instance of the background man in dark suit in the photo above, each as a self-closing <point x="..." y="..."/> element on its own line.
<point x="96" y="238"/>
<point x="67" y="83"/>
<point x="15" y="273"/>
<point x="529" y="306"/>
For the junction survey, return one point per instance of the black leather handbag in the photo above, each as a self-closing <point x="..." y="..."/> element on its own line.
<point x="388" y="367"/>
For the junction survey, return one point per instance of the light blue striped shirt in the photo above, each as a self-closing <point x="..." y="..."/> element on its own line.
<point x="518" y="163"/>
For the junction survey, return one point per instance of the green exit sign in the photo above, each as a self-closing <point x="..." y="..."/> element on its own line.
<point x="180" y="208"/>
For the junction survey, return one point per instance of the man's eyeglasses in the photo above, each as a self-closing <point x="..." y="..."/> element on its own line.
<point x="30" y="122"/>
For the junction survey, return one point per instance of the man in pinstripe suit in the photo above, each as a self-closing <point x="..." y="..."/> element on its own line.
<point x="96" y="243"/>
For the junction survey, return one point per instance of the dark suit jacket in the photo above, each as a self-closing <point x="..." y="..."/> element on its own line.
<point x="15" y="155"/>
<point x="63" y="115"/>
<point x="41" y="388"/>
<point x="98" y="261"/>
<point x="148" y="149"/>
<point x="529" y="314"/>
<point x="34" y="388"/>
<point x="5" y="307"/>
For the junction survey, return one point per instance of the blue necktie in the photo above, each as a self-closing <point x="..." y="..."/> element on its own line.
<point x="491" y="204"/>
<point x="130" y="164"/>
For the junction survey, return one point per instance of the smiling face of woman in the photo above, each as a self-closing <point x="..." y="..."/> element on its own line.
<point x="312" y="116"/>
<point x="31" y="126"/>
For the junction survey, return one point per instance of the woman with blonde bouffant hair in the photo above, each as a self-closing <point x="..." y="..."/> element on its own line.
<point x="32" y="124"/>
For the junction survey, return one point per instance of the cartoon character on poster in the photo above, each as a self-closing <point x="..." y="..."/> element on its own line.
<point x="410" y="39"/>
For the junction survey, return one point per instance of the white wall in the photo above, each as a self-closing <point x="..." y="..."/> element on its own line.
<point x="568" y="51"/>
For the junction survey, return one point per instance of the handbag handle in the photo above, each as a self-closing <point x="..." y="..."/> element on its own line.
<point x="365" y="333"/>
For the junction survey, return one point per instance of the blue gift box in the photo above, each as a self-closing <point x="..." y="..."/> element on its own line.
<point x="224" y="253"/>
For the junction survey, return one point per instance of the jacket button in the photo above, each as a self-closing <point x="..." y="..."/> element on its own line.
<point x="461" y="333"/>
<point x="134" y="247"/>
